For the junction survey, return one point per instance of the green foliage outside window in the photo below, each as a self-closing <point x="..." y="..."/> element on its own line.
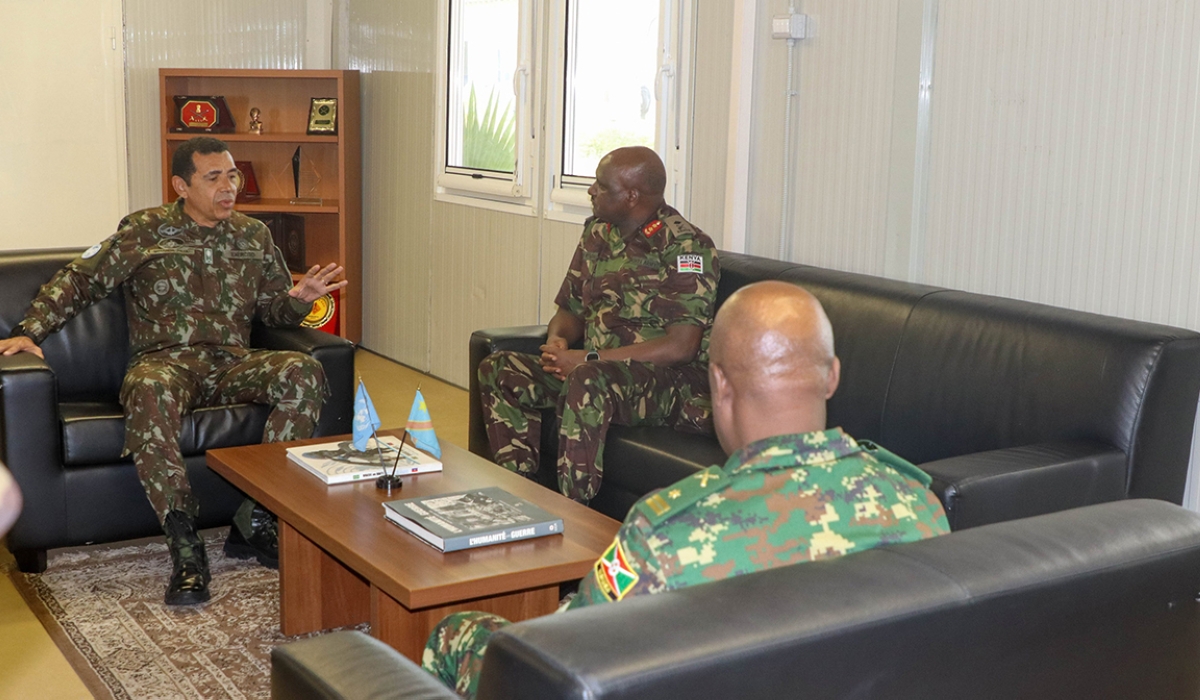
<point x="489" y="139"/>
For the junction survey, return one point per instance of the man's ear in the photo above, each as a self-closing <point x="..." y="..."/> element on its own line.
<point x="835" y="376"/>
<point x="179" y="185"/>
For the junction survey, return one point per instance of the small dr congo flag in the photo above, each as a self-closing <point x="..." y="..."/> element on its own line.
<point x="420" y="427"/>
<point x="366" y="420"/>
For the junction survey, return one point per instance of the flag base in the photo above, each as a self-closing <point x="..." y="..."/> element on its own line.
<point x="388" y="483"/>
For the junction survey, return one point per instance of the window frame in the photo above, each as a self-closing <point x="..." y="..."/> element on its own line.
<point x="565" y="196"/>
<point x="538" y="185"/>
<point x="514" y="192"/>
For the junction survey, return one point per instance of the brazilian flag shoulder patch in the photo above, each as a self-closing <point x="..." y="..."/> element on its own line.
<point x="614" y="576"/>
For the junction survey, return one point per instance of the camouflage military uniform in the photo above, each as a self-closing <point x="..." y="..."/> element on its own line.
<point x="779" y="501"/>
<point x="190" y="296"/>
<point x="626" y="291"/>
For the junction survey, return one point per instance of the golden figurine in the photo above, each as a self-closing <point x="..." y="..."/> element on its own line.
<point x="255" y="122"/>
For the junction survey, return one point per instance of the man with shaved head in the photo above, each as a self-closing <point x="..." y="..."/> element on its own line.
<point x="639" y="298"/>
<point x="790" y="492"/>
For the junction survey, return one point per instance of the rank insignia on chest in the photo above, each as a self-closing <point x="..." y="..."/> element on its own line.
<point x="690" y="263"/>
<point x="652" y="228"/>
<point x="614" y="575"/>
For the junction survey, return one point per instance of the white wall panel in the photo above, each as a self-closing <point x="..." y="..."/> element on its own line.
<point x="392" y="44"/>
<point x="211" y="34"/>
<point x="397" y="205"/>
<point x="710" y="123"/>
<point x="1064" y="154"/>
<point x="843" y="137"/>
<point x="840" y="140"/>
<point x="484" y="273"/>
<point x="62" y="139"/>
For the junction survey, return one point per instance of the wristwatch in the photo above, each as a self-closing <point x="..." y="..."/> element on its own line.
<point x="592" y="356"/>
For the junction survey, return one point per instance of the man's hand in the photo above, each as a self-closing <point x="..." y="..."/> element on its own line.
<point x="315" y="283"/>
<point x="558" y="360"/>
<point x="12" y="346"/>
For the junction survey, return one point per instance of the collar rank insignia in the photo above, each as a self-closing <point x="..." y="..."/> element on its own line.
<point x="613" y="574"/>
<point x="652" y="228"/>
<point x="690" y="263"/>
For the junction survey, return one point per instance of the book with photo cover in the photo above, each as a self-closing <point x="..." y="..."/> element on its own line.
<point x="468" y="519"/>
<point x="339" y="462"/>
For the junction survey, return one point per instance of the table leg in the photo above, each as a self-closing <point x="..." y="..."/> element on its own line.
<point x="316" y="591"/>
<point x="406" y="631"/>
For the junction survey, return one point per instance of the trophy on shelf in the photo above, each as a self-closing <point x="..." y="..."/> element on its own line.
<point x="256" y="126"/>
<point x="306" y="180"/>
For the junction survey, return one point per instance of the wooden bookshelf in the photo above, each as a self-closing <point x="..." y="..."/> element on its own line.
<point x="333" y="229"/>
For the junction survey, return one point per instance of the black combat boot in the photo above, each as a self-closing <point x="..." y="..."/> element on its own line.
<point x="189" y="570"/>
<point x="254" y="535"/>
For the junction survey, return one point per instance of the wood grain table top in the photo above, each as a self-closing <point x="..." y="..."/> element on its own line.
<point x="346" y="520"/>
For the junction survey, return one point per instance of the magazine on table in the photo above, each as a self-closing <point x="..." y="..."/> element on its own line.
<point x="468" y="519"/>
<point x="339" y="462"/>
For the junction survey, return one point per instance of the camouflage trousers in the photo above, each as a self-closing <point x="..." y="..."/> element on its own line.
<point x="454" y="651"/>
<point x="515" y="389"/>
<point x="161" y="387"/>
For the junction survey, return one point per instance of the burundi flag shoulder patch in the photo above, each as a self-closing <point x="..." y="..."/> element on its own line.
<point x="613" y="573"/>
<point x="690" y="263"/>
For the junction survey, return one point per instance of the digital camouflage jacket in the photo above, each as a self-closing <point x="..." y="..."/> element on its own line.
<point x="778" y="501"/>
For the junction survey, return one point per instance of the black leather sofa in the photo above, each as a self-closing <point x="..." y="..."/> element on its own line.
<point x="62" y="430"/>
<point x="1091" y="603"/>
<point x="1014" y="408"/>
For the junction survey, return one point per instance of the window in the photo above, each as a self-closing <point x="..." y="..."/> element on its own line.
<point x="613" y="77"/>
<point x="608" y="93"/>
<point x="484" y="119"/>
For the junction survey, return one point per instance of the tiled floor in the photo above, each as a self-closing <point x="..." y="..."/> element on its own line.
<point x="30" y="664"/>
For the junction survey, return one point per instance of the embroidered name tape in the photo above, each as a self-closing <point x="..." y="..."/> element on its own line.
<point x="690" y="263"/>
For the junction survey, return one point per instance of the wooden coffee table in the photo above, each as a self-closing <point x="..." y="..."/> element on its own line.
<point x="341" y="563"/>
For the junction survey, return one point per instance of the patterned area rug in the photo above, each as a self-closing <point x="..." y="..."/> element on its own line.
<point x="103" y="606"/>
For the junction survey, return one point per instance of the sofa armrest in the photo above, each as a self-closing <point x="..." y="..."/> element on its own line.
<point x="1018" y="482"/>
<point x="349" y="665"/>
<point x="31" y="446"/>
<point x="483" y="343"/>
<point x="336" y="356"/>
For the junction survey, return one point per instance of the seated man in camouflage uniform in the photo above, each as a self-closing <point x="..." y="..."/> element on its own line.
<point x="195" y="274"/>
<point x="639" y="294"/>
<point x="790" y="492"/>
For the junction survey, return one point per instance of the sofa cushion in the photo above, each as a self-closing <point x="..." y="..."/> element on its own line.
<point x="94" y="432"/>
<point x="868" y="316"/>
<point x="1019" y="482"/>
<point x="977" y="373"/>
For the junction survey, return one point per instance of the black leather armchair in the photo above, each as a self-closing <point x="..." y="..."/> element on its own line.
<point x="1090" y="603"/>
<point x="62" y="430"/>
<point x="1015" y="409"/>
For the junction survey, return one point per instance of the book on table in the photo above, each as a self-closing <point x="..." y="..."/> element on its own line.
<point x="475" y="518"/>
<point x="339" y="462"/>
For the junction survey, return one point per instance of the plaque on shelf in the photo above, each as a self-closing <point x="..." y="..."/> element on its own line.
<point x="249" y="191"/>
<point x="202" y="114"/>
<point x="287" y="231"/>
<point x="322" y="116"/>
